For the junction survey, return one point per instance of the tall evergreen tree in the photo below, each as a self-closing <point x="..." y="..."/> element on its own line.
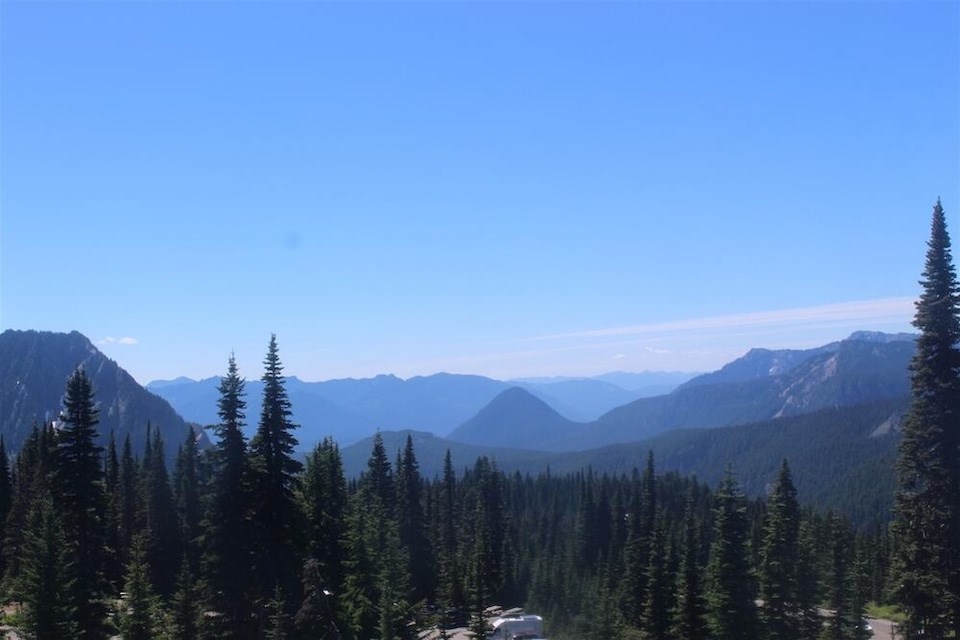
<point x="837" y="581"/>
<point x="184" y="605"/>
<point x="227" y="541"/>
<point x="6" y="499"/>
<point x="656" y="612"/>
<point x="128" y="495"/>
<point x="47" y="577"/>
<point x="779" y="556"/>
<point x="273" y="472"/>
<point x="323" y="498"/>
<point x="160" y="517"/>
<point x="377" y="481"/>
<point x="927" y="512"/>
<point x="32" y="479"/>
<point x="643" y="511"/>
<point x="808" y="586"/>
<point x="113" y="568"/>
<point x="731" y="613"/>
<point x="186" y="495"/>
<point x="412" y="524"/>
<point x="315" y="619"/>
<point x="450" y="588"/>
<point x="81" y="502"/>
<point x="140" y="614"/>
<point x="689" y="621"/>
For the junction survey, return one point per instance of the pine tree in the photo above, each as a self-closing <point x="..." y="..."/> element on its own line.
<point x="838" y="586"/>
<point x="186" y="496"/>
<point x="227" y="542"/>
<point x="273" y="474"/>
<point x="413" y="524"/>
<point x="779" y="557"/>
<point x="808" y="586"/>
<point x="315" y="619"/>
<point x="160" y="517"/>
<point x="377" y="481"/>
<point x="365" y="518"/>
<point x="81" y="503"/>
<point x="323" y="498"/>
<point x="31" y="479"/>
<point x="184" y="605"/>
<point x="6" y="499"/>
<point x="731" y="613"/>
<point x="139" y="617"/>
<point x="450" y="590"/>
<point x="656" y="612"/>
<point x="927" y="512"/>
<point x="128" y="491"/>
<point x="113" y="568"/>
<point x="689" y="621"/>
<point x="643" y="511"/>
<point x="47" y="578"/>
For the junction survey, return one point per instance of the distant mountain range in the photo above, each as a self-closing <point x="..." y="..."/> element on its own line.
<point x="34" y="367"/>
<point x="762" y="385"/>
<point x="350" y="409"/>
<point x="833" y="411"/>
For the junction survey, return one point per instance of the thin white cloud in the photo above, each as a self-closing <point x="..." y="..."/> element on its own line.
<point x="620" y="356"/>
<point x="839" y="314"/>
<point x="126" y="341"/>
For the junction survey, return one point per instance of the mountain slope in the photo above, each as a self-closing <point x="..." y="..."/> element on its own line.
<point x="842" y="458"/>
<point x="34" y="366"/>
<point x="848" y="373"/>
<point x="516" y="419"/>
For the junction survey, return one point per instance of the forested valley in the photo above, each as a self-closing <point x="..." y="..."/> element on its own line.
<point x="243" y="540"/>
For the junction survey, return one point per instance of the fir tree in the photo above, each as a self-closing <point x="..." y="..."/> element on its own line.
<point x="6" y="499"/>
<point x="656" y="612"/>
<point x="128" y="493"/>
<point x="643" y="510"/>
<point x="227" y="543"/>
<point x="273" y="471"/>
<point x="808" y="586"/>
<point x="315" y="619"/>
<point x="81" y="503"/>
<point x="450" y="589"/>
<point x="689" y="610"/>
<point x="47" y="578"/>
<point x="377" y="481"/>
<point x="140" y="616"/>
<point x="413" y="525"/>
<point x="184" y="605"/>
<point x="160" y="518"/>
<point x="186" y="495"/>
<point x="323" y="498"/>
<point x="779" y="556"/>
<point x="731" y="610"/>
<point x="113" y="567"/>
<point x="927" y="513"/>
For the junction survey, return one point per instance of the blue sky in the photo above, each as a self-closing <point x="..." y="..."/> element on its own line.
<point x="510" y="189"/>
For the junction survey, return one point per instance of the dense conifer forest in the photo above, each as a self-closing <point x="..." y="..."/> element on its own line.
<point x="244" y="541"/>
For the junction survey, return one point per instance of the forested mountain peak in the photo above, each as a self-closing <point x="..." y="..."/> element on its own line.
<point x="34" y="367"/>
<point x="515" y="418"/>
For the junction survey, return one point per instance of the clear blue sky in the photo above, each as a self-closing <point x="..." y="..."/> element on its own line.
<point x="498" y="188"/>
